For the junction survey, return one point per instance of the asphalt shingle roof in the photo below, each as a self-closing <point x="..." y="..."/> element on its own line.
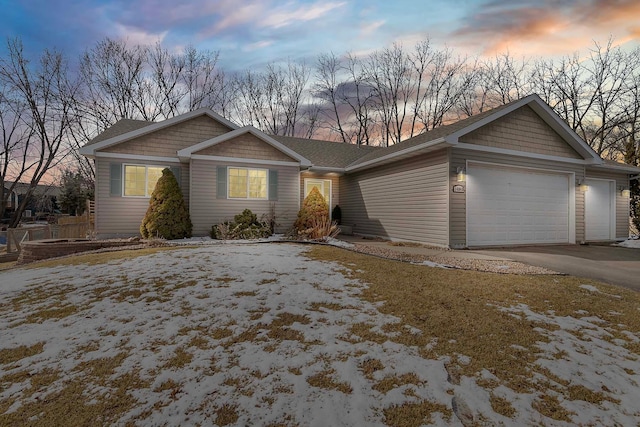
<point x="121" y="127"/>
<point x="326" y="153"/>
<point x="432" y="135"/>
<point x="338" y="155"/>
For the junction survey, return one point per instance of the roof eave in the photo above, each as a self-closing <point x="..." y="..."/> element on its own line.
<point x="629" y="169"/>
<point x="326" y="169"/>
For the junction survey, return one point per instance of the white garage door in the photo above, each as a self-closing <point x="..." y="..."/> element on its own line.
<point x="509" y="206"/>
<point x="599" y="206"/>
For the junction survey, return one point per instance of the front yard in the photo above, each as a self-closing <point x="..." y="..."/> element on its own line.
<point x="284" y="334"/>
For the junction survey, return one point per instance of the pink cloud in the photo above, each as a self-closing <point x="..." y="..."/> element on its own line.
<point x="550" y="29"/>
<point x="283" y="17"/>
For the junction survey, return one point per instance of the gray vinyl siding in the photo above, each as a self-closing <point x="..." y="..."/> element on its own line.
<point x="406" y="200"/>
<point x="207" y="210"/>
<point x="622" y="204"/>
<point x="458" y="212"/>
<point x="118" y="216"/>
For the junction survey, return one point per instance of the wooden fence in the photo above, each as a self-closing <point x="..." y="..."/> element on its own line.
<point x="67" y="227"/>
<point x="70" y="227"/>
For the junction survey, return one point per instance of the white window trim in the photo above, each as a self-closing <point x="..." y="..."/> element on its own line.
<point x="246" y="198"/>
<point x="324" y="181"/>
<point x="146" y="179"/>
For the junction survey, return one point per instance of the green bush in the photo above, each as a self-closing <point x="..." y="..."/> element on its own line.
<point x="314" y="207"/>
<point x="244" y="226"/>
<point x="167" y="216"/>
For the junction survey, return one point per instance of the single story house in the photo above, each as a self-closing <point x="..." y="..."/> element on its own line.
<point x="514" y="175"/>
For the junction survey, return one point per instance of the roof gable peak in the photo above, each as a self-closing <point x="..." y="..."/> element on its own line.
<point x="90" y="149"/>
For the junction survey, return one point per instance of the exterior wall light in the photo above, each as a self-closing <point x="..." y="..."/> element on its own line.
<point x="625" y="192"/>
<point x="461" y="175"/>
<point x="582" y="185"/>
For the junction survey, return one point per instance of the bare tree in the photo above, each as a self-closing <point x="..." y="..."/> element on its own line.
<point x="272" y="100"/>
<point x="508" y="78"/>
<point x="390" y="74"/>
<point x="205" y="83"/>
<point x="442" y="82"/>
<point x="166" y="95"/>
<point x="611" y="70"/>
<point x="325" y="88"/>
<point x="46" y="92"/>
<point x="113" y="77"/>
<point x="357" y="94"/>
<point x="13" y="156"/>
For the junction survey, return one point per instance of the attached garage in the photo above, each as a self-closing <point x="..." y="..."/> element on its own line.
<point x="518" y="206"/>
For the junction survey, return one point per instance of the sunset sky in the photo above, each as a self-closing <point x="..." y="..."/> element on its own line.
<point x="255" y="32"/>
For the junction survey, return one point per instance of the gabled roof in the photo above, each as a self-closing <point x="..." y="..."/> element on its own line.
<point x="121" y="127"/>
<point x="448" y="135"/>
<point x="326" y="154"/>
<point x="138" y="128"/>
<point x="186" y="153"/>
<point x="342" y="157"/>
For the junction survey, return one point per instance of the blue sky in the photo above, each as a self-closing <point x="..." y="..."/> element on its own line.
<point x="250" y="33"/>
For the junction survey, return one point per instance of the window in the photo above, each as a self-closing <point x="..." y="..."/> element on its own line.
<point x="247" y="183"/>
<point x="141" y="180"/>
<point x="323" y="186"/>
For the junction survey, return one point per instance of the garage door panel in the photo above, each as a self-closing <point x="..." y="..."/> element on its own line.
<point x="599" y="215"/>
<point x="516" y="206"/>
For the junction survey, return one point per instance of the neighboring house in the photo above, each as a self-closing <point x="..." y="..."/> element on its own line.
<point x="43" y="198"/>
<point x="514" y="175"/>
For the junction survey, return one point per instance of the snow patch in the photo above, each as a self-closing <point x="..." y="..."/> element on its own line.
<point x="633" y="242"/>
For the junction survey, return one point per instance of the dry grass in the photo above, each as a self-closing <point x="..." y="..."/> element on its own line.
<point x="11" y="355"/>
<point x="370" y="366"/>
<point x="459" y="313"/>
<point x="413" y="414"/>
<point x="7" y="265"/>
<point x="325" y="380"/>
<point x="245" y="294"/>
<point x="550" y="406"/>
<point x="579" y="392"/>
<point x="226" y="414"/>
<point x="390" y="382"/>
<point x="102" y="257"/>
<point x="168" y="385"/>
<point x="502" y="406"/>
<point x="225" y="279"/>
<point x="51" y="313"/>
<point x="76" y="401"/>
<point x="180" y="359"/>
<point x="364" y="333"/>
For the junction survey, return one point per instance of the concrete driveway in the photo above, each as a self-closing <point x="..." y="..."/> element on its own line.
<point x="610" y="264"/>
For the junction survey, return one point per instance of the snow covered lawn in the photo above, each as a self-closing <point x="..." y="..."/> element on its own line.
<point x="284" y="334"/>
